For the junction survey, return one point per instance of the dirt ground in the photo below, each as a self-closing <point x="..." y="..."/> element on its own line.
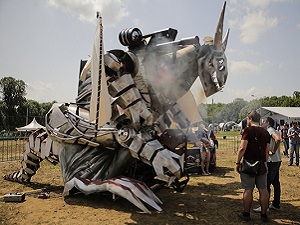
<point x="213" y="199"/>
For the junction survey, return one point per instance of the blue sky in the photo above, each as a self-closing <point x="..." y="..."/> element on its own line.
<point x="43" y="41"/>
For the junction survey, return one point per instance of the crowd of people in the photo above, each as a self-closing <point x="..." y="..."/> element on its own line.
<point x="262" y="144"/>
<point x="290" y="137"/>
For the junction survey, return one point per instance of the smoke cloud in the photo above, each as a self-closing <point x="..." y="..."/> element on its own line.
<point x="85" y="10"/>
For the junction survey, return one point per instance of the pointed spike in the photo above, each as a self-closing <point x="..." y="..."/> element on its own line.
<point x="224" y="43"/>
<point x="219" y="30"/>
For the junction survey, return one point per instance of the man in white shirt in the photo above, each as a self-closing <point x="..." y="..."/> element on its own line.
<point x="274" y="162"/>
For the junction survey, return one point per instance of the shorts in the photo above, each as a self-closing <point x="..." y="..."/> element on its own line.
<point x="203" y="149"/>
<point x="249" y="182"/>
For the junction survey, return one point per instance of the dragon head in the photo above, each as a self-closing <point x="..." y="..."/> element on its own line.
<point x="212" y="62"/>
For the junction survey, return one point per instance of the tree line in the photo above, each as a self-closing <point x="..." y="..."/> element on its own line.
<point x="238" y="109"/>
<point x="16" y="110"/>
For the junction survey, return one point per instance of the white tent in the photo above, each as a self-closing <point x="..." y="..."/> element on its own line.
<point x="281" y="115"/>
<point x="31" y="127"/>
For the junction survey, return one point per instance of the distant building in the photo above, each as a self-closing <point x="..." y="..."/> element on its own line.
<point x="281" y="115"/>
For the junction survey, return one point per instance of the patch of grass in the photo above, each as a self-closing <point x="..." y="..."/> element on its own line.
<point x="228" y="133"/>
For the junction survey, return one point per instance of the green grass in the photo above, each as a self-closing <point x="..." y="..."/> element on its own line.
<point x="227" y="133"/>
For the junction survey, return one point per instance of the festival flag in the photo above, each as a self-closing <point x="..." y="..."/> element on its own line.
<point x="100" y="107"/>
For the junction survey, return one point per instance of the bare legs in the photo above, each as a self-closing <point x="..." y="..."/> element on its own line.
<point x="264" y="200"/>
<point x="248" y="198"/>
<point x="205" y="156"/>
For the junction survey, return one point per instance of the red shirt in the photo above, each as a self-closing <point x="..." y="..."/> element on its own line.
<point x="263" y="138"/>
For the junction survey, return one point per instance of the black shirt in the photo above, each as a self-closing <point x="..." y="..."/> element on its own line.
<point x="263" y="137"/>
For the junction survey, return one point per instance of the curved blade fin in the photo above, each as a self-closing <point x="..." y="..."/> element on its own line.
<point x="225" y="39"/>
<point x="219" y="30"/>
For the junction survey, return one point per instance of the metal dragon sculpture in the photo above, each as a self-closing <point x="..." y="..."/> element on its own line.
<point x="126" y="132"/>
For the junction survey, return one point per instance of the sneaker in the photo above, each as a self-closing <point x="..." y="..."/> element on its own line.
<point x="258" y="210"/>
<point x="204" y="173"/>
<point x="273" y="207"/>
<point x="244" y="217"/>
<point x="208" y="173"/>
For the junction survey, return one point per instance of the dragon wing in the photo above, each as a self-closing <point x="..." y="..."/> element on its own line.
<point x="133" y="190"/>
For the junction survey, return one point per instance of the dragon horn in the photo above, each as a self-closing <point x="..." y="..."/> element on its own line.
<point x="225" y="39"/>
<point x="219" y="30"/>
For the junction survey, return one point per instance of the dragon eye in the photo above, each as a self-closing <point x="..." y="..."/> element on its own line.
<point x="221" y="68"/>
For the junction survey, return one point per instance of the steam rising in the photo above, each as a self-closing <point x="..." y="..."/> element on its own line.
<point x="171" y="69"/>
<point x="86" y="10"/>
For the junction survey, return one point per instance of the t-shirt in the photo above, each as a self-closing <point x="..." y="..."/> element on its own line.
<point x="284" y="132"/>
<point x="202" y="137"/>
<point x="296" y="138"/>
<point x="263" y="138"/>
<point x="277" y="156"/>
<point x="211" y="135"/>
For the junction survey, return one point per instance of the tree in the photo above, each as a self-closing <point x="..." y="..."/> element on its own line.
<point x="231" y="110"/>
<point x="12" y="97"/>
<point x="33" y="109"/>
<point x="214" y="112"/>
<point x="296" y="94"/>
<point x="45" y="107"/>
<point x="220" y="112"/>
<point x="2" y="116"/>
<point x="252" y="105"/>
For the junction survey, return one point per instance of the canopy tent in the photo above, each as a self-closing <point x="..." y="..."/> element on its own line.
<point x="282" y="114"/>
<point x="31" y="127"/>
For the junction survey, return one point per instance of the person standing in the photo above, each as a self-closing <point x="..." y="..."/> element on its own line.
<point x="214" y="144"/>
<point x="285" y="139"/>
<point x="253" y="136"/>
<point x="212" y="137"/>
<point x="274" y="163"/>
<point x="293" y="134"/>
<point x="204" y="143"/>
<point x="279" y="131"/>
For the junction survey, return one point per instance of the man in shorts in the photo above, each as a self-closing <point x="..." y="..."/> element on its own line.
<point x="255" y="145"/>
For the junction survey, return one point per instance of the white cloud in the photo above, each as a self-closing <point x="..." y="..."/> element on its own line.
<point x="246" y="93"/>
<point x="39" y="90"/>
<point x="48" y="92"/>
<point x="253" y="18"/>
<point x="264" y="3"/>
<point x="112" y="11"/>
<point x="244" y="67"/>
<point x="254" y="24"/>
<point x="259" y="3"/>
<point x="136" y="22"/>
